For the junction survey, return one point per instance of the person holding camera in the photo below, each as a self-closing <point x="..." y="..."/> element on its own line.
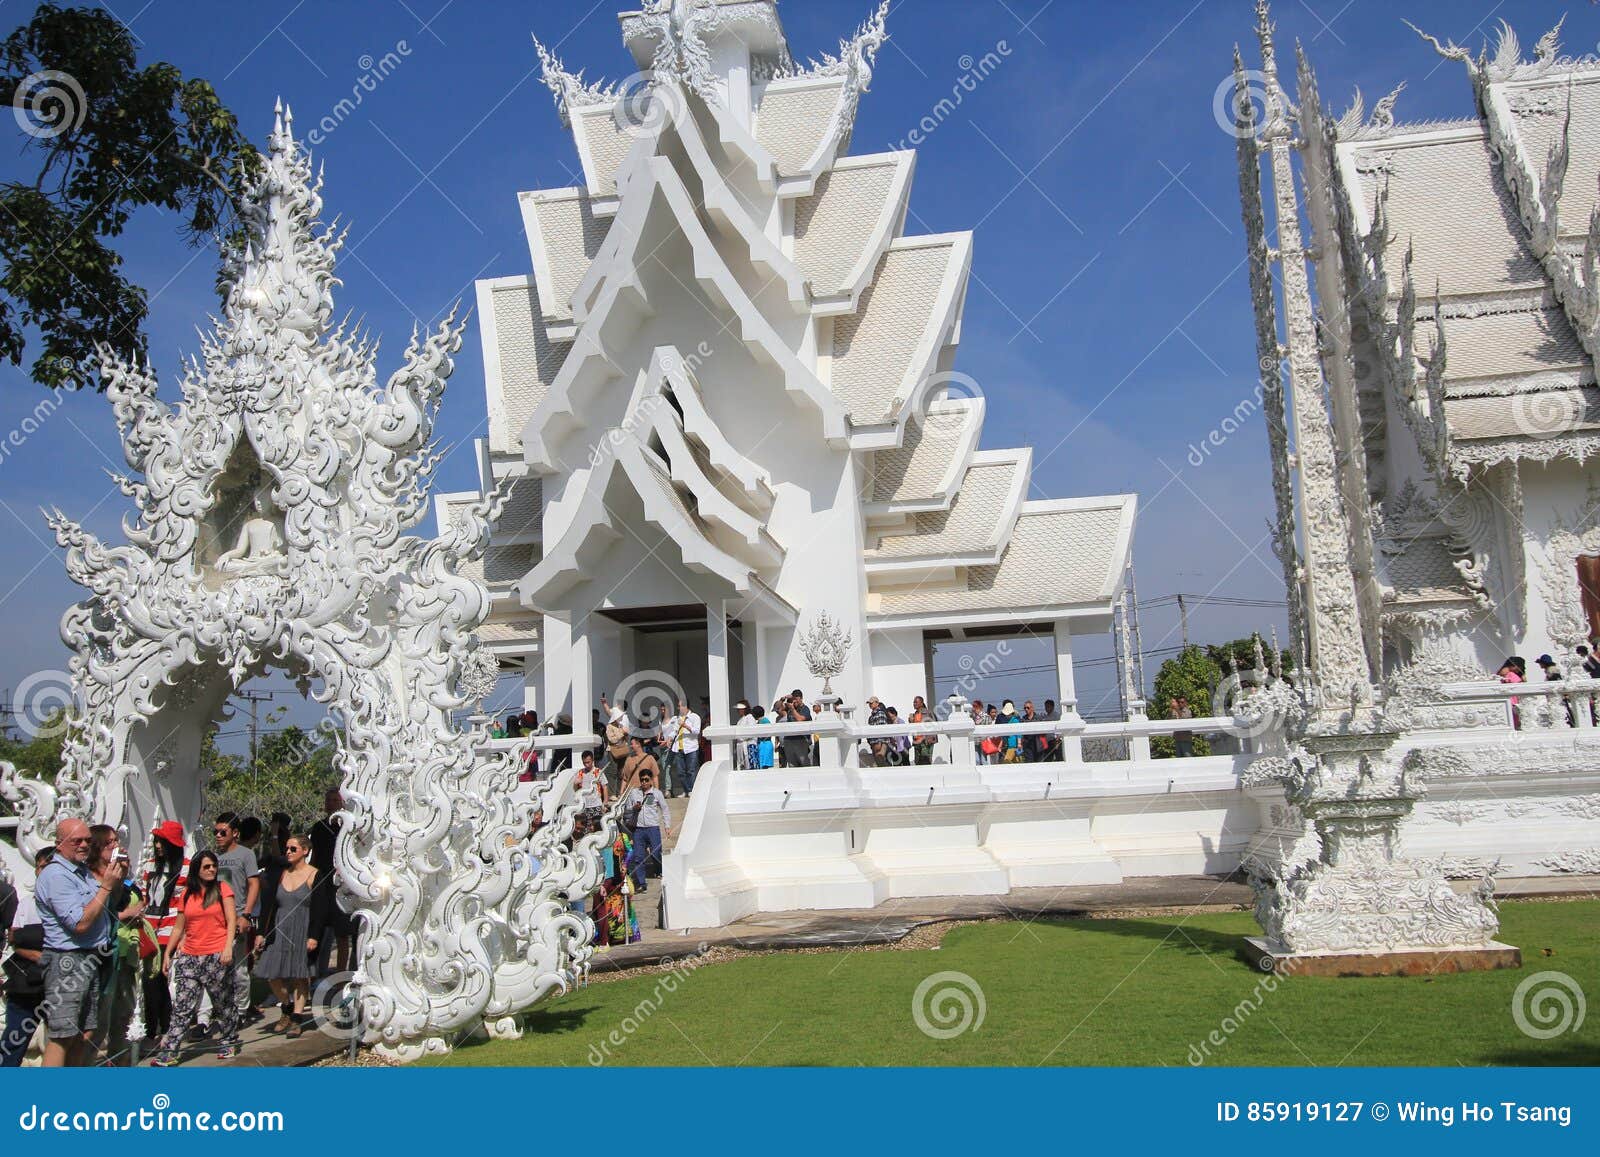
<point x="796" y="748"/>
<point x="75" y="909"/>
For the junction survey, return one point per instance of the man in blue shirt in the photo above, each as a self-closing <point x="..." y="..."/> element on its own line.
<point x="77" y="931"/>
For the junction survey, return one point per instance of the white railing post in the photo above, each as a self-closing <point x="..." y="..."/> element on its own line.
<point x="1138" y="745"/>
<point x="1070" y="732"/>
<point x="959" y="728"/>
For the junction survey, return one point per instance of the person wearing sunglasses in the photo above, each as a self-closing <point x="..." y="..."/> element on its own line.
<point x="73" y="906"/>
<point x="294" y="916"/>
<point x="239" y="868"/>
<point x="199" y="958"/>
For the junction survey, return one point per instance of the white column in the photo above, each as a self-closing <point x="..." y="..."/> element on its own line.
<point x="532" y="679"/>
<point x="1067" y="693"/>
<point x="764" y="692"/>
<point x="717" y="675"/>
<point x="749" y="644"/>
<point x="583" y="700"/>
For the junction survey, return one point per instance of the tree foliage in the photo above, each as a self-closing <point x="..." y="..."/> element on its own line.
<point x="293" y="770"/>
<point x="40" y="753"/>
<point x="111" y="137"/>
<point x="1193" y="674"/>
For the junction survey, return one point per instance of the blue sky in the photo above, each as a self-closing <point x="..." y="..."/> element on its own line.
<point x="1108" y="320"/>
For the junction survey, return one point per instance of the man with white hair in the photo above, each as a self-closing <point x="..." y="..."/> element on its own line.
<point x="72" y="903"/>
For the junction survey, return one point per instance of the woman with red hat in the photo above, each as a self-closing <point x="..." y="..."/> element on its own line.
<point x="166" y="875"/>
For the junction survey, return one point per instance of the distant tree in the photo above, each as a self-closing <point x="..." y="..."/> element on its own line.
<point x="38" y="754"/>
<point x="1194" y="675"/>
<point x="293" y="770"/>
<point x="111" y="137"/>
<point x="1243" y="653"/>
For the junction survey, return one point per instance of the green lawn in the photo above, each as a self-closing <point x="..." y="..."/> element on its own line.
<point x="1071" y="992"/>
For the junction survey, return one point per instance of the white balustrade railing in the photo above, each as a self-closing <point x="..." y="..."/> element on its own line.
<point x="1547" y="705"/>
<point x="957" y="739"/>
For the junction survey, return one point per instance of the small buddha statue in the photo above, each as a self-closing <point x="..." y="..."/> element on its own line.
<point x="259" y="549"/>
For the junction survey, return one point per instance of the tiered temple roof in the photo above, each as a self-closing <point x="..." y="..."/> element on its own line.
<point x="1466" y="256"/>
<point x="690" y="170"/>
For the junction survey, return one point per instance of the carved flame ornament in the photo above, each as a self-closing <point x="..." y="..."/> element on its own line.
<point x="273" y="511"/>
<point x="826" y="647"/>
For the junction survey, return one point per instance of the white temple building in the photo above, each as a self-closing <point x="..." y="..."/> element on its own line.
<point x="728" y="385"/>
<point x="1459" y="306"/>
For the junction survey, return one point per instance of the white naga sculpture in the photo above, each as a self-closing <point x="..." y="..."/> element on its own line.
<point x="284" y="414"/>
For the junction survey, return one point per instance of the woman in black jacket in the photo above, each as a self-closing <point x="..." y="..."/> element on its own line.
<point x="294" y="915"/>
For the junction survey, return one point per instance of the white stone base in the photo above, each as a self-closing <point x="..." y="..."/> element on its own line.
<point x="851" y="838"/>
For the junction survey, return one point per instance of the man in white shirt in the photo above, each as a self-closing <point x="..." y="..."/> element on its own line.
<point x="681" y="734"/>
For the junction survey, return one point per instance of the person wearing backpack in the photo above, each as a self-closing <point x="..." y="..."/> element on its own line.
<point x="616" y="742"/>
<point x="645" y="815"/>
<point x="638" y="764"/>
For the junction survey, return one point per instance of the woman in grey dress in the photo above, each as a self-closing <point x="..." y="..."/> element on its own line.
<point x="293" y="917"/>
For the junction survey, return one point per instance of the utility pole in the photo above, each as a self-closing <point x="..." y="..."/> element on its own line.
<point x="253" y="698"/>
<point x="1183" y="621"/>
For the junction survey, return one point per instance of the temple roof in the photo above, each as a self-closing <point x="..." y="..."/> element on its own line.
<point x="519" y="359"/>
<point x="977" y="522"/>
<point x="842" y="227"/>
<point x="1424" y="570"/>
<point x="883" y="351"/>
<point x="564" y="235"/>
<point x="1491" y="216"/>
<point x="1061" y="553"/>
<point x="928" y="466"/>
<point x="794" y="120"/>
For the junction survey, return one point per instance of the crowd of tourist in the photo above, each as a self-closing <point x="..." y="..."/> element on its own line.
<point x="105" y="957"/>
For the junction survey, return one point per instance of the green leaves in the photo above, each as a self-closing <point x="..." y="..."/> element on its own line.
<point x="110" y="138"/>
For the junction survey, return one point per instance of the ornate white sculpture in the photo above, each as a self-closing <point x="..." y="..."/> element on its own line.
<point x="325" y="581"/>
<point x="826" y="647"/>
<point x="260" y="546"/>
<point x="1360" y="894"/>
